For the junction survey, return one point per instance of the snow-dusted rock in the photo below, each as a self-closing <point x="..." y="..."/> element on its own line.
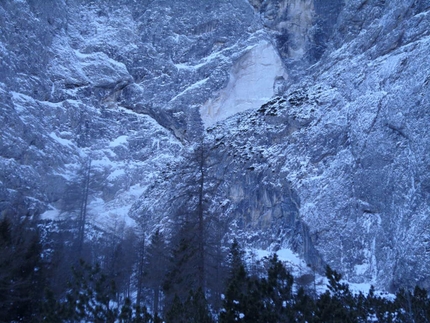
<point x="315" y="114"/>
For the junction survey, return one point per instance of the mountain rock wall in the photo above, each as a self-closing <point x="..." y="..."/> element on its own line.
<point x="313" y="114"/>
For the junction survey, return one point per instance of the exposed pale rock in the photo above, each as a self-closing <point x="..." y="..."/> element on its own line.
<point x="252" y="83"/>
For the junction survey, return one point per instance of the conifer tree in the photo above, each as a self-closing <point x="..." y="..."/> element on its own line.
<point x="420" y="305"/>
<point x="403" y="305"/>
<point x="90" y="296"/>
<point x="175" y="312"/>
<point x="278" y="290"/>
<point x="181" y="275"/>
<point x="156" y="263"/>
<point x="141" y="253"/>
<point x="196" y="308"/>
<point x="237" y="286"/>
<point x="194" y="227"/>
<point x="142" y="316"/>
<point x="303" y="307"/>
<point x="377" y="307"/>
<point x="126" y="314"/>
<point x="21" y="272"/>
<point x="336" y="304"/>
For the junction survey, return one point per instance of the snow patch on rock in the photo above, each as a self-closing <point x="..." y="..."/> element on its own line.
<point x="121" y="140"/>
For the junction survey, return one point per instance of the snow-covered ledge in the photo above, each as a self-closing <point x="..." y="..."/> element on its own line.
<point x="252" y="83"/>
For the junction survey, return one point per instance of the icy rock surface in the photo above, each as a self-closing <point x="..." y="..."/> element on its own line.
<point x="334" y="167"/>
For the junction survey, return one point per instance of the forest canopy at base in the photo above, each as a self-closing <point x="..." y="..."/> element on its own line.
<point x="101" y="292"/>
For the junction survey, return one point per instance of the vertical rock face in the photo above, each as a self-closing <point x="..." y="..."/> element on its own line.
<point x="252" y="83"/>
<point x="301" y="29"/>
<point x="355" y="166"/>
<point x="293" y="20"/>
<point x="314" y="115"/>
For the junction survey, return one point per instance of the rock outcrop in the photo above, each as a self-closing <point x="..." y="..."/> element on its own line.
<point x="313" y="114"/>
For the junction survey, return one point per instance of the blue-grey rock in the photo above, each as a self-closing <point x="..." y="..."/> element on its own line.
<point x="314" y="116"/>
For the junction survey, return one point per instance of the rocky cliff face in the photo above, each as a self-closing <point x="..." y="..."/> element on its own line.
<point x="313" y="115"/>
